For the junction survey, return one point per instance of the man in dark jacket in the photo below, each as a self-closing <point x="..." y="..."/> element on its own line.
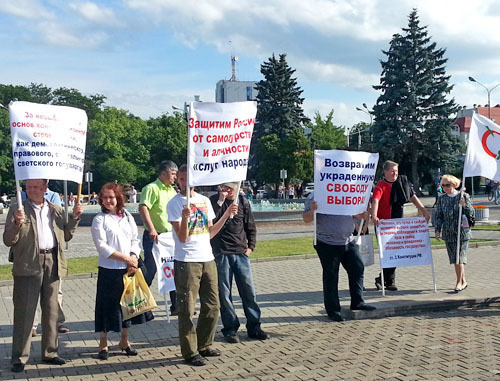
<point x="232" y="248"/>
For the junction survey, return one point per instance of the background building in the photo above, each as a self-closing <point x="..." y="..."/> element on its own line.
<point x="232" y="90"/>
<point x="464" y="117"/>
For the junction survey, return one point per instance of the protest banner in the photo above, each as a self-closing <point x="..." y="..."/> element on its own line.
<point x="404" y="242"/>
<point x="163" y="253"/>
<point x="343" y="181"/>
<point x="219" y="141"/>
<point x="48" y="142"/>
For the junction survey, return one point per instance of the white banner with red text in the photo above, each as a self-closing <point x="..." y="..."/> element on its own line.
<point x="219" y="141"/>
<point x="48" y="142"/>
<point x="343" y="181"/>
<point x="404" y="242"/>
<point x="163" y="253"/>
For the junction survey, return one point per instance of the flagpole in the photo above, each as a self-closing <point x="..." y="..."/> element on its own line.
<point x="459" y="219"/>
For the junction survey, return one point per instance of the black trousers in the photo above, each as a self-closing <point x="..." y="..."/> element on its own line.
<point x="331" y="256"/>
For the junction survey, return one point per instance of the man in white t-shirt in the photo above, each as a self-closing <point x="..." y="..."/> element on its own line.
<point x="195" y="270"/>
<point x="132" y="195"/>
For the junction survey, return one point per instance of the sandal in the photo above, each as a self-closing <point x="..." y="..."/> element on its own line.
<point x="129" y="351"/>
<point x="210" y="352"/>
<point x="196" y="360"/>
<point x="103" y="354"/>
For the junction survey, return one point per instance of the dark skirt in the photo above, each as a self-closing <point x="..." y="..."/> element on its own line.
<point x="108" y="313"/>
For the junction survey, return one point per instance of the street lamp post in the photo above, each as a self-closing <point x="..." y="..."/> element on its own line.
<point x="366" y="111"/>
<point x="472" y="79"/>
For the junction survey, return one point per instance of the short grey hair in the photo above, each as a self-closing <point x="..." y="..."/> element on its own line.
<point x="167" y="165"/>
<point x="389" y="164"/>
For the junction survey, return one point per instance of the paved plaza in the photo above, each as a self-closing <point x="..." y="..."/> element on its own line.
<point x="415" y="334"/>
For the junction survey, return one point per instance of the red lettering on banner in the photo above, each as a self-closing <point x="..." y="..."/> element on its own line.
<point x="169" y="272"/>
<point x="329" y="200"/>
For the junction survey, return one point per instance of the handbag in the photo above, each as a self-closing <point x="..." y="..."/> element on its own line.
<point x="137" y="297"/>
<point x="366" y="249"/>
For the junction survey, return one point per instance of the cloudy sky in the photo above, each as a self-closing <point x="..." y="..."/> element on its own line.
<point x="147" y="55"/>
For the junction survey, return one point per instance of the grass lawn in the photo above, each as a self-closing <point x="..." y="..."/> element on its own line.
<point x="486" y="227"/>
<point x="265" y="249"/>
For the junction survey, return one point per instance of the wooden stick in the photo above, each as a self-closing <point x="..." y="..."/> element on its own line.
<point x="79" y="194"/>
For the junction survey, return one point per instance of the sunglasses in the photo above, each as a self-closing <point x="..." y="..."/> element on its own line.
<point x="446" y="185"/>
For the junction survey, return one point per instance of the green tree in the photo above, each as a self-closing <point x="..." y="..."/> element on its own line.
<point x="117" y="134"/>
<point x="279" y="100"/>
<point x="73" y="98"/>
<point x="413" y="121"/>
<point x="117" y="169"/>
<point x="325" y="135"/>
<point x="299" y="160"/>
<point x="7" y="178"/>
<point x="269" y="151"/>
<point x="168" y="139"/>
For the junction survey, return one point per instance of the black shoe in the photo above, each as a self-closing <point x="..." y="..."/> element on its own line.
<point x="378" y="283"/>
<point x="336" y="316"/>
<point x="103" y="355"/>
<point x="173" y="311"/>
<point x="392" y="287"/>
<point x="232" y="339"/>
<point x="260" y="335"/>
<point x="55" y="361"/>
<point x="210" y="352"/>
<point x="363" y="307"/>
<point x="16" y="368"/>
<point x="196" y="360"/>
<point x="129" y="351"/>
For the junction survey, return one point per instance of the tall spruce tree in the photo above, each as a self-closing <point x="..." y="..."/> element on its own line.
<point x="413" y="123"/>
<point x="279" y="103"/>
<point x="279" y="114"/>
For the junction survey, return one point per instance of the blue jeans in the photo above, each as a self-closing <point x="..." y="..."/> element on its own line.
<point x="331" y="256"/>
<point x="239" y="266"/>
<point x="150" y="264"/>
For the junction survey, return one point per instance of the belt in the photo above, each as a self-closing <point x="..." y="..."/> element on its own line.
<point x="47" y="251"/>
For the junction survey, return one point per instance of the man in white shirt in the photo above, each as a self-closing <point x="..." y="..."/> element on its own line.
<point x="195" y="270"/>
<point x="36" y="234"/>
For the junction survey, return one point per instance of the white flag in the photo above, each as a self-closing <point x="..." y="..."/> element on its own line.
<point x="483" y="150"/>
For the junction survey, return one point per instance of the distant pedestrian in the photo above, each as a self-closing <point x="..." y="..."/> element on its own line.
<point x="232" y="248"/>
<point x="132" y="195"/>
<point x="447" y="226"/>
<point x="291" y="191"/>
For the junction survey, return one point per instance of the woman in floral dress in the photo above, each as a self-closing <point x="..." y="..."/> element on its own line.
<point x="447" y="225"/>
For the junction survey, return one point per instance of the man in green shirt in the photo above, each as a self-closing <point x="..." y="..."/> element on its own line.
<point x="153" y="210"/>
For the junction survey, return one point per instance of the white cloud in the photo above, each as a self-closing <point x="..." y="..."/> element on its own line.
<point x="59" y="35"/>
<point x="96" y="14"/>
<point x="336" y="74"/>
<point x="28" y="9"/>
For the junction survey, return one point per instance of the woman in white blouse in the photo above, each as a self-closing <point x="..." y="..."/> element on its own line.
<point x="116" y="238"/>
